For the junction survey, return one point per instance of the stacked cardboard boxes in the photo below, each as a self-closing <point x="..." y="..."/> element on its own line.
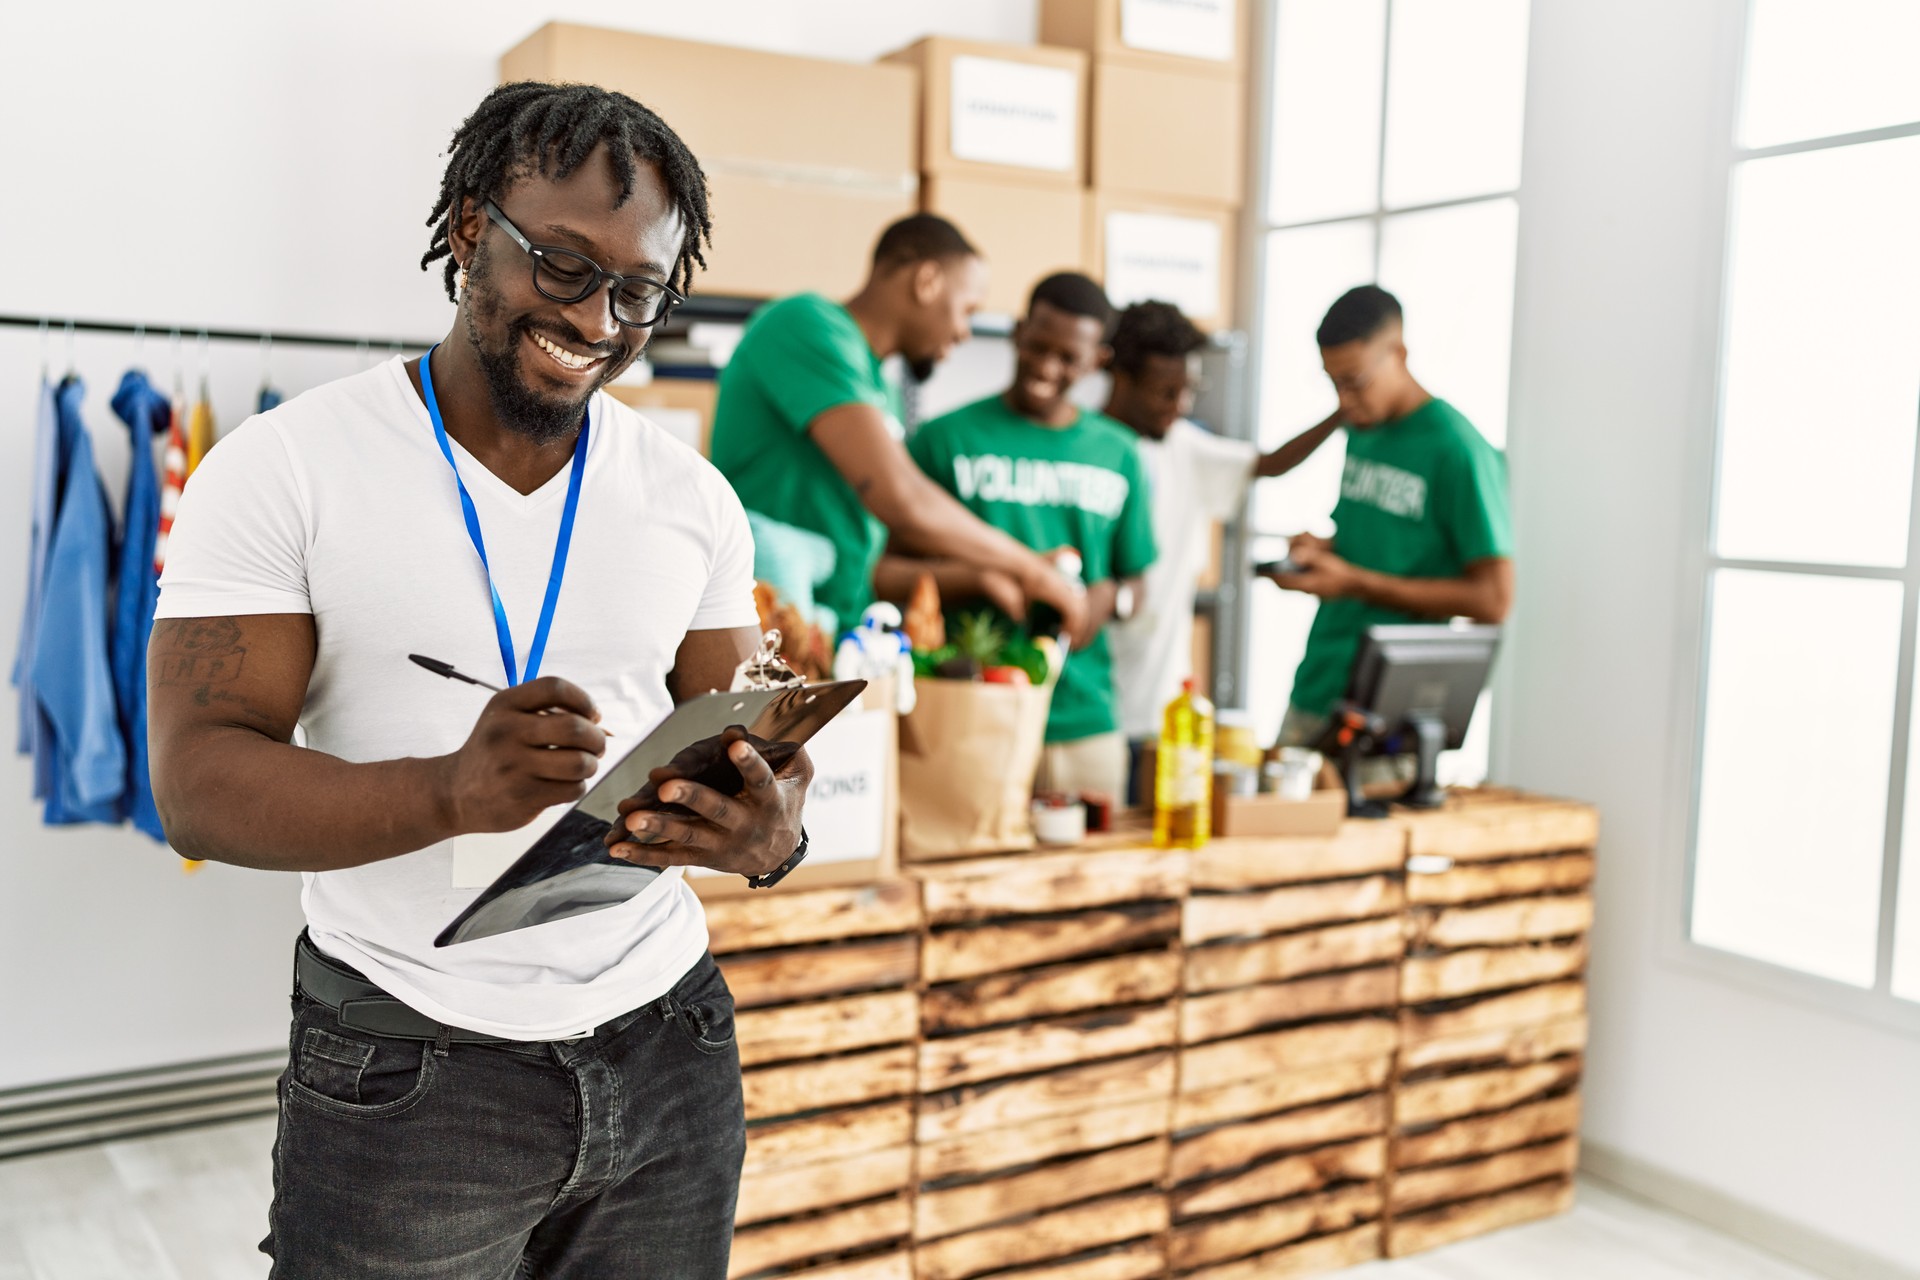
<point x="1003" y="155"/>
<point x="1492" y="1017"/>
<point x="1166" y="120"/>
<point x="807" y="160"/>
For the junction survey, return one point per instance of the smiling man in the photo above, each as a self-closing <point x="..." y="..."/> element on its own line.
<point x="1056" y="476"/>
<point x="562" y="1101"/>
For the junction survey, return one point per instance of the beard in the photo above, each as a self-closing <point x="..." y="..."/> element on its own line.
<point x="541" y="416"/>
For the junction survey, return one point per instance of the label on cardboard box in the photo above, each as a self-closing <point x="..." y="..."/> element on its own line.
<point x="847" y="804"/>
<point x="1163" y="257"/>
<point x="1014" y="113"/>
<point x="1189" y="28"/>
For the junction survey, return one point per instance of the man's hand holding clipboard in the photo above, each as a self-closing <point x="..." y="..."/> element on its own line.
<point x="675" y="820"/>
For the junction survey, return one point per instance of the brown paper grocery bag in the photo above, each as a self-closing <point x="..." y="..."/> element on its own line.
<point x="968" y="753"/>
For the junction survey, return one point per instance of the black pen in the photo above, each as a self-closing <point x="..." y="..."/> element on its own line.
<point x="446" y="669"/>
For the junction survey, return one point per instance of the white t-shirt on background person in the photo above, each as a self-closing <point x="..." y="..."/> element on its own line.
<point x="340" y="504"/>
<point x="1198" y="478"/>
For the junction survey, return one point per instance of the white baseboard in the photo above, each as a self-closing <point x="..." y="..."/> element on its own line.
<point x="1763" y="1228"/>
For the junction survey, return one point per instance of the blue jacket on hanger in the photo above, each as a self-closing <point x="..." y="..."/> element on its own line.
<point x="34" y="736"/>
<point x="72" y="677"/>
<point x="137" y="590"/>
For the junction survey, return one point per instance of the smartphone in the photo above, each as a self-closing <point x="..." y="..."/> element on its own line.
<point x="1266" y="567"/>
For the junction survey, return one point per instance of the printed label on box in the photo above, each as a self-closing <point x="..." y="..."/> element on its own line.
<point x="1189" y="28"/>
<point x="1165" y="258"/>
<point x="1014" y="113"/>
<point x="846" y="809"/>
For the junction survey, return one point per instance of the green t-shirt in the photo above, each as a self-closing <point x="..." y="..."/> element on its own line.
<point x="1080" y="486"/>
<point x="1421" y="497"/>
<point x="800" y="357"/>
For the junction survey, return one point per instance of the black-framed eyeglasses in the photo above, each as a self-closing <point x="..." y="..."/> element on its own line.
<point x="566" y="276"/>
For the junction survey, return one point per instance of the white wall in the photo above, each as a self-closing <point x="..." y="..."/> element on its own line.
<point x="248" y="165"/>
<point x="1805" y="1113"/>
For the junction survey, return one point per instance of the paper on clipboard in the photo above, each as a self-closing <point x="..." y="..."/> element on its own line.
<point x="566" y="870"/>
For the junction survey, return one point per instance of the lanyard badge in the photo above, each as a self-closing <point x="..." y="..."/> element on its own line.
<point x="555" y="575"/>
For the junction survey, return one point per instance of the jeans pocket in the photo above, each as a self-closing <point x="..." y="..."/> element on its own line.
<point x="361" y="1076"/>
<point x="706" y="1007"/>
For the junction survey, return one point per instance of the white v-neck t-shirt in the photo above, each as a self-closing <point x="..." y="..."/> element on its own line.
<point x="340" y="504"/>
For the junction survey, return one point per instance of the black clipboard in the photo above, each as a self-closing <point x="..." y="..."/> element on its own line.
<point x="569" y="872"/>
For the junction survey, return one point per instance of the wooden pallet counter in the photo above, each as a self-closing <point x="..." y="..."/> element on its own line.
<point x="1493" y="1023"/>
<point x="825" y="985"/>
<point x="1288" y="1031"/>
<point x="1047" y="1062"/>
<point x="1269" y="1057"/>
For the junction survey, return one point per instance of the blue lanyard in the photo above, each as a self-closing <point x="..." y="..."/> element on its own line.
<point x="554" y="575"/>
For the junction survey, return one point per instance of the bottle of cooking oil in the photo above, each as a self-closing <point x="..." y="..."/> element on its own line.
<point x="1183" y="776"/>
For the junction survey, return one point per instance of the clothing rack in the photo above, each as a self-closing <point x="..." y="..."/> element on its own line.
<point x="270" y="337"/>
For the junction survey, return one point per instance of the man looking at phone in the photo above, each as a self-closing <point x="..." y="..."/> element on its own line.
<point x="1422" y="531"/>
<point x="561" y="1101"/>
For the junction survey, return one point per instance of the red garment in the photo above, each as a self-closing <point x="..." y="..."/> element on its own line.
<point x="172" y="481"/>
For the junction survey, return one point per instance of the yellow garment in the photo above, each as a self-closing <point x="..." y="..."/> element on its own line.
<point x="199" y="433"/>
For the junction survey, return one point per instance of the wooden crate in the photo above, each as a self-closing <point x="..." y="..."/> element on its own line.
<point x="827" y="1019"/>
<point x="1046" y="1068"/>
<point x="1291" y="980"/>
<point x="1493" y="1018"/>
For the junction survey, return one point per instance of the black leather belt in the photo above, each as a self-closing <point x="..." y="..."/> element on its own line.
<point x="361" y="1005"/>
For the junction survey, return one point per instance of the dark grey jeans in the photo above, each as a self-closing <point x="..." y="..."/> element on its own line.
<point x="614" y="1155"/>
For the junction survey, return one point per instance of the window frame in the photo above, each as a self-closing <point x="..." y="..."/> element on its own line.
<point x="1232" y="641"/>
<point x="1877" y="1005"/>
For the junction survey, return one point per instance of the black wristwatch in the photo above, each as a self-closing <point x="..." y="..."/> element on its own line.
<point x="779" y="873"/>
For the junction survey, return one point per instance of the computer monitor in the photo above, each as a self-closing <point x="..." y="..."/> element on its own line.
<point x="1420" y="681"/>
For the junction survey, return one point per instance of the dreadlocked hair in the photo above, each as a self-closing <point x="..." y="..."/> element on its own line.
<point x="1148" y="329"/>
<point x="550" y="129"/>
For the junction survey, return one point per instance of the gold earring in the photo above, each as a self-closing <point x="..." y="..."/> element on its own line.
<point x="460" y="281"/>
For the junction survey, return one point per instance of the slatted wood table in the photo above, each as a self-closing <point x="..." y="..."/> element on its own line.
<point x="1265" y="1058"/>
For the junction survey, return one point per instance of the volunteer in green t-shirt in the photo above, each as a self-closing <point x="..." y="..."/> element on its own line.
<point x="808" y="430"/>
<point x="1421" y="527"/>
<point x="1055" y="476"/>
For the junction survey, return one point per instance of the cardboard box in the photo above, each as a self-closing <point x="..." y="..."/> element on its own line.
<point x="1027" y="230"/>
<point x="1208" y="37"/>
<point x="853" y="806"/>
<point x="807" y="118"/>
<point x="684" y="406"/>
<point x="1173" y="251"/>
<point x="1159" y="133"/>
<point x="1269" y="815"/>
<point x="1000" y="110"/>
<point x="1203" y="36"/>
<point x="773" y="236"/>
<point x="807" y="160"/>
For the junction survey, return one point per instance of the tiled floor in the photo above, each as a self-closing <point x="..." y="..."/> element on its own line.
<point x="193" y="1206"/>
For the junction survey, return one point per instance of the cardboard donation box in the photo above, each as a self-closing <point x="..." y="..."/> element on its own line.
<point x="1170" y="134"/>
<point x="1199" y="37"/>
<point x="683" y="406"/>
<point x="968" y="755"/>
<point x="1164" y="250"/>
<point x="852" y="813"/>
<point x="800" y="193"/>
<point x="1026" y="230"/>
<point x="999" y="111"/>
<point x="1271" y="815"/>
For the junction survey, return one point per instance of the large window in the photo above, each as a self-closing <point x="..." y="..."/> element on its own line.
<point x="1394" y="157"/>
<point x="1809" y="773"/>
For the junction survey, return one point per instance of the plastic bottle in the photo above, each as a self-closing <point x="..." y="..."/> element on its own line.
<point x="1044" y="619"/>
<point x="1183" y="775"/>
